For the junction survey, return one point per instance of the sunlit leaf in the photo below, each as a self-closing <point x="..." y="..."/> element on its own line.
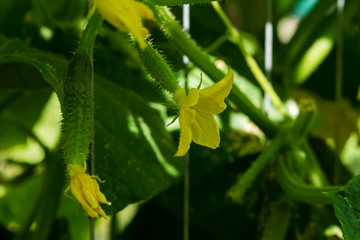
<point x="347" y="208"/>
<point x="134" y="153"/>
<point x="33" y="63"/>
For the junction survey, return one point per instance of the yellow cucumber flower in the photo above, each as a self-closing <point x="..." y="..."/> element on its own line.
<point x="126" y="14"/>
<point x="196" y="117"/>
<point x="86" y="190"/>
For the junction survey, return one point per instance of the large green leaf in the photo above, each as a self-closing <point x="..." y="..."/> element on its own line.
<point x="20" y="115"/>
<point x="347" y="208"/>
<point x="24" y="67"/>
<point x="133" y="151"/>
<point x="23" y="89"/>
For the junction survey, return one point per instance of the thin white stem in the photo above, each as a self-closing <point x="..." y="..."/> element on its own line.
<point x="268" y="54"/>
<point x="339" y="83"/>
<point x="186" y="27"/>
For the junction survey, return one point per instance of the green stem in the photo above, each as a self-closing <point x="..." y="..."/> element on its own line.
<point x="217" y="43"/>
<point x="237" y="191"/>
<point x="278" y="222"/>
<point x="299" y="190"/>
<point x="149" y="58"/>
<point x="252" y="64"/>
<point x="296" y="160"/>
<point x="303" y="121"/>
<point x="187" y="46"/>
<point x="317" y="176"/>
<point x="186" y="196"/>
<point x="87" y="41"/>
<point x="184" y="43"/>
<point x="299" y="131"/>
<point x="256" y="115"/>
<point x="339" y="87"/>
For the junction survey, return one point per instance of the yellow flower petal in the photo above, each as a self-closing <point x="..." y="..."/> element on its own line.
<point x="125" y="14"/>
<point x="76" y="190"/>
<point x="211" y="99"/>
<point x="186" y="118"/>
<point x="86" y="191"/>
<point x="209" y="105"/>
<point x="186" y="100"/>
<point x="221" y="89"/>
<point x="205" y="130"/>
<point x="144" y="11"/>
<point x="99" y="195"/>
<point x="197" y="122"/>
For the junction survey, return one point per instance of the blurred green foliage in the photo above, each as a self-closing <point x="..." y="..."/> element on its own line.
<point x="133" y="146"/>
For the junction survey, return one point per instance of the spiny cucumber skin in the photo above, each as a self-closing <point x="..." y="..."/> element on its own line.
<point x="78" y="110"/>
<point x="158" y="68"/>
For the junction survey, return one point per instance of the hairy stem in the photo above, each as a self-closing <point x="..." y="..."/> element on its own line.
<point x="189" y="48"/>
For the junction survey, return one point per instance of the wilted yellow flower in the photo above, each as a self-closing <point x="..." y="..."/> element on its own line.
<point x="126" y="14"/>
<point x="86" y="190"/>
<point x="197" y="109"/>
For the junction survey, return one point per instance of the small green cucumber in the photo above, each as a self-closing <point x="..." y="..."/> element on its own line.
<point x="78" y="110"/>
<point x="155" y="64"/>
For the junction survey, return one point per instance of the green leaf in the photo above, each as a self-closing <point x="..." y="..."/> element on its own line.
<point x="176" y="2"/>
<point x="133" y="151"/>
<point x="18" y="118"/>
<point x="22" y="87"/>
<point x="347" y="208"/>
